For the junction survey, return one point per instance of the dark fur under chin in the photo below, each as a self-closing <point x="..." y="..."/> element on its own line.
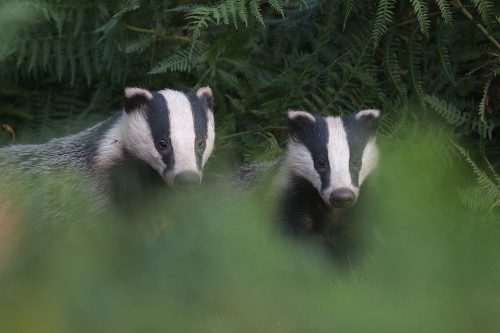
<point x="132" y="182"/>
<point x="305" y="215"/>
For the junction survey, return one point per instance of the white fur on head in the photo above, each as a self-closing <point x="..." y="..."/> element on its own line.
<point x="137" y="138"/>
<point x="210" y="138"/>
<point x="338" y="156"/>
<point x="182" y="133"/>
<point x="207" y="98"/>
<point x="294" y="114"/>
<point x="300" y="162"/>
<point x="369" y="160"/>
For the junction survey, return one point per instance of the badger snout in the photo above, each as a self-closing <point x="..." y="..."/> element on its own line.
<point x="342" y="198"/>
<point x="187" y="178"/>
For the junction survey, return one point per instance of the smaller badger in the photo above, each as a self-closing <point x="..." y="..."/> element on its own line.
<point x="327" y="160"/>
<point x="168" y="133"/>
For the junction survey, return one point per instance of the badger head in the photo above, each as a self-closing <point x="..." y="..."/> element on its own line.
<point x="334" y="154"/>
<point x="171" y="131"/>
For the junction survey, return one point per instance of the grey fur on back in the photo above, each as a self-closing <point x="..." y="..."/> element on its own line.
<point x="75" y="151"/>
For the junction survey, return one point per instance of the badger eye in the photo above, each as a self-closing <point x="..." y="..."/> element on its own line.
<point x="163" y="145"/>
<point x="320" y="163"/>
<point x="200" y="144"/>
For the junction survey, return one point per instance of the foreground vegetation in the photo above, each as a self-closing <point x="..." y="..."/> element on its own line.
<point x="429" y="263"/>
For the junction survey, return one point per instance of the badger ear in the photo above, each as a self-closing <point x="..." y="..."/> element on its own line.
<point x="370" y="117"/>
<point x="299" y="121"/>
<point x="135" y="98"/>
<point x="207" y="98"/>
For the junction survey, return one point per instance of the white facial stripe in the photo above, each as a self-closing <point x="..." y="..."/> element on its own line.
<point x="182" y="131"/>
<point x="369" y="160"/>
<point x="299" y="160"/>
<point x="210" y="137"/>
<point x="137" y="138"/>
<point x="338" y="155"/>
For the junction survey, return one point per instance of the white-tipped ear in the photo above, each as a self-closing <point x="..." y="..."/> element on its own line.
<point x="207" y="97"/>
<point x="294" y="114"/>
<point x="135" y="98"/>
<point x="370" y="113"/>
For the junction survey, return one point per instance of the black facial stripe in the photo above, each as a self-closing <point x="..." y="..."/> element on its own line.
<point x="314" y="136"/>
<point x="159" y="124"/>
<point x="358" y="134"/>
<point x="200" y="126"/>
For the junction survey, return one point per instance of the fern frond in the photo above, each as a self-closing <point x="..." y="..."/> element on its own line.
<point x="347" y="8"/>
<point x="392" y="66"/>
<point x="487" y="194"/>
<point x="416" y="66"/>
<point x="482" y="104"/>
<point x="485" y="9"/>
<point x="277" y="5"/>
<point x="446" y="110"/>
<point x="444" y="8"/>
<point x="444" y="57"/>
<point x="227" y="12"/>
<point x="383" y="19"/>
<point x="420" y="8"/>
<point x="256" y="11"/>
<point x="182" y="61"/>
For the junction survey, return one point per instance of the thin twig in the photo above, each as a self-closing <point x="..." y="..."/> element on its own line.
<point x="262" y="129"/>
<point x="158" y="33"/>
<point x="458" y="4"/>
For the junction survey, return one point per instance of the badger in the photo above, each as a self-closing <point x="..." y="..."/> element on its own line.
<point x="327" y="160"/>
<point x="167" y="133"/>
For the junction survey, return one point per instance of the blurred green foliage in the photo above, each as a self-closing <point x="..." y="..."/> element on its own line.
<point x="213" y="261"/>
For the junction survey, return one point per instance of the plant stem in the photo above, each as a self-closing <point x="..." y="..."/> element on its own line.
<point x="458" y="4"/>
<point x="262" y="129"/>
<point x="159" y="34"/>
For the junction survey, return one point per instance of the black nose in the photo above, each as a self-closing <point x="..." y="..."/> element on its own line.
<point x="187" y="178"/>
<point x="342" y="198"/>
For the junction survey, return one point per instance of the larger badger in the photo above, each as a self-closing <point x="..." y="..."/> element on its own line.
<point x="168" y="132"/>
<point x="327" y="160"/>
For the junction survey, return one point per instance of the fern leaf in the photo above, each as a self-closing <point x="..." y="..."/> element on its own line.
<point x="393" y="68"/>
<point x="415" y="66"/>
<point x="383" y="19"/>
<point x="277" y="5"/>
<point x="256" y="11"/>
<point x="420" y="8"/>
<point x="482" y="104"/>
<point x="347" y="8"/>
<point x="449" y="112"/>
<point x="444" y="57"/>
<point x="444" y="8"/>
<point x="485" y="9"/>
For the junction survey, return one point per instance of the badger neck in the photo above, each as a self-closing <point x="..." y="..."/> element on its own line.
<point x="303" y="209"/>
<point x="118" y="169"/>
